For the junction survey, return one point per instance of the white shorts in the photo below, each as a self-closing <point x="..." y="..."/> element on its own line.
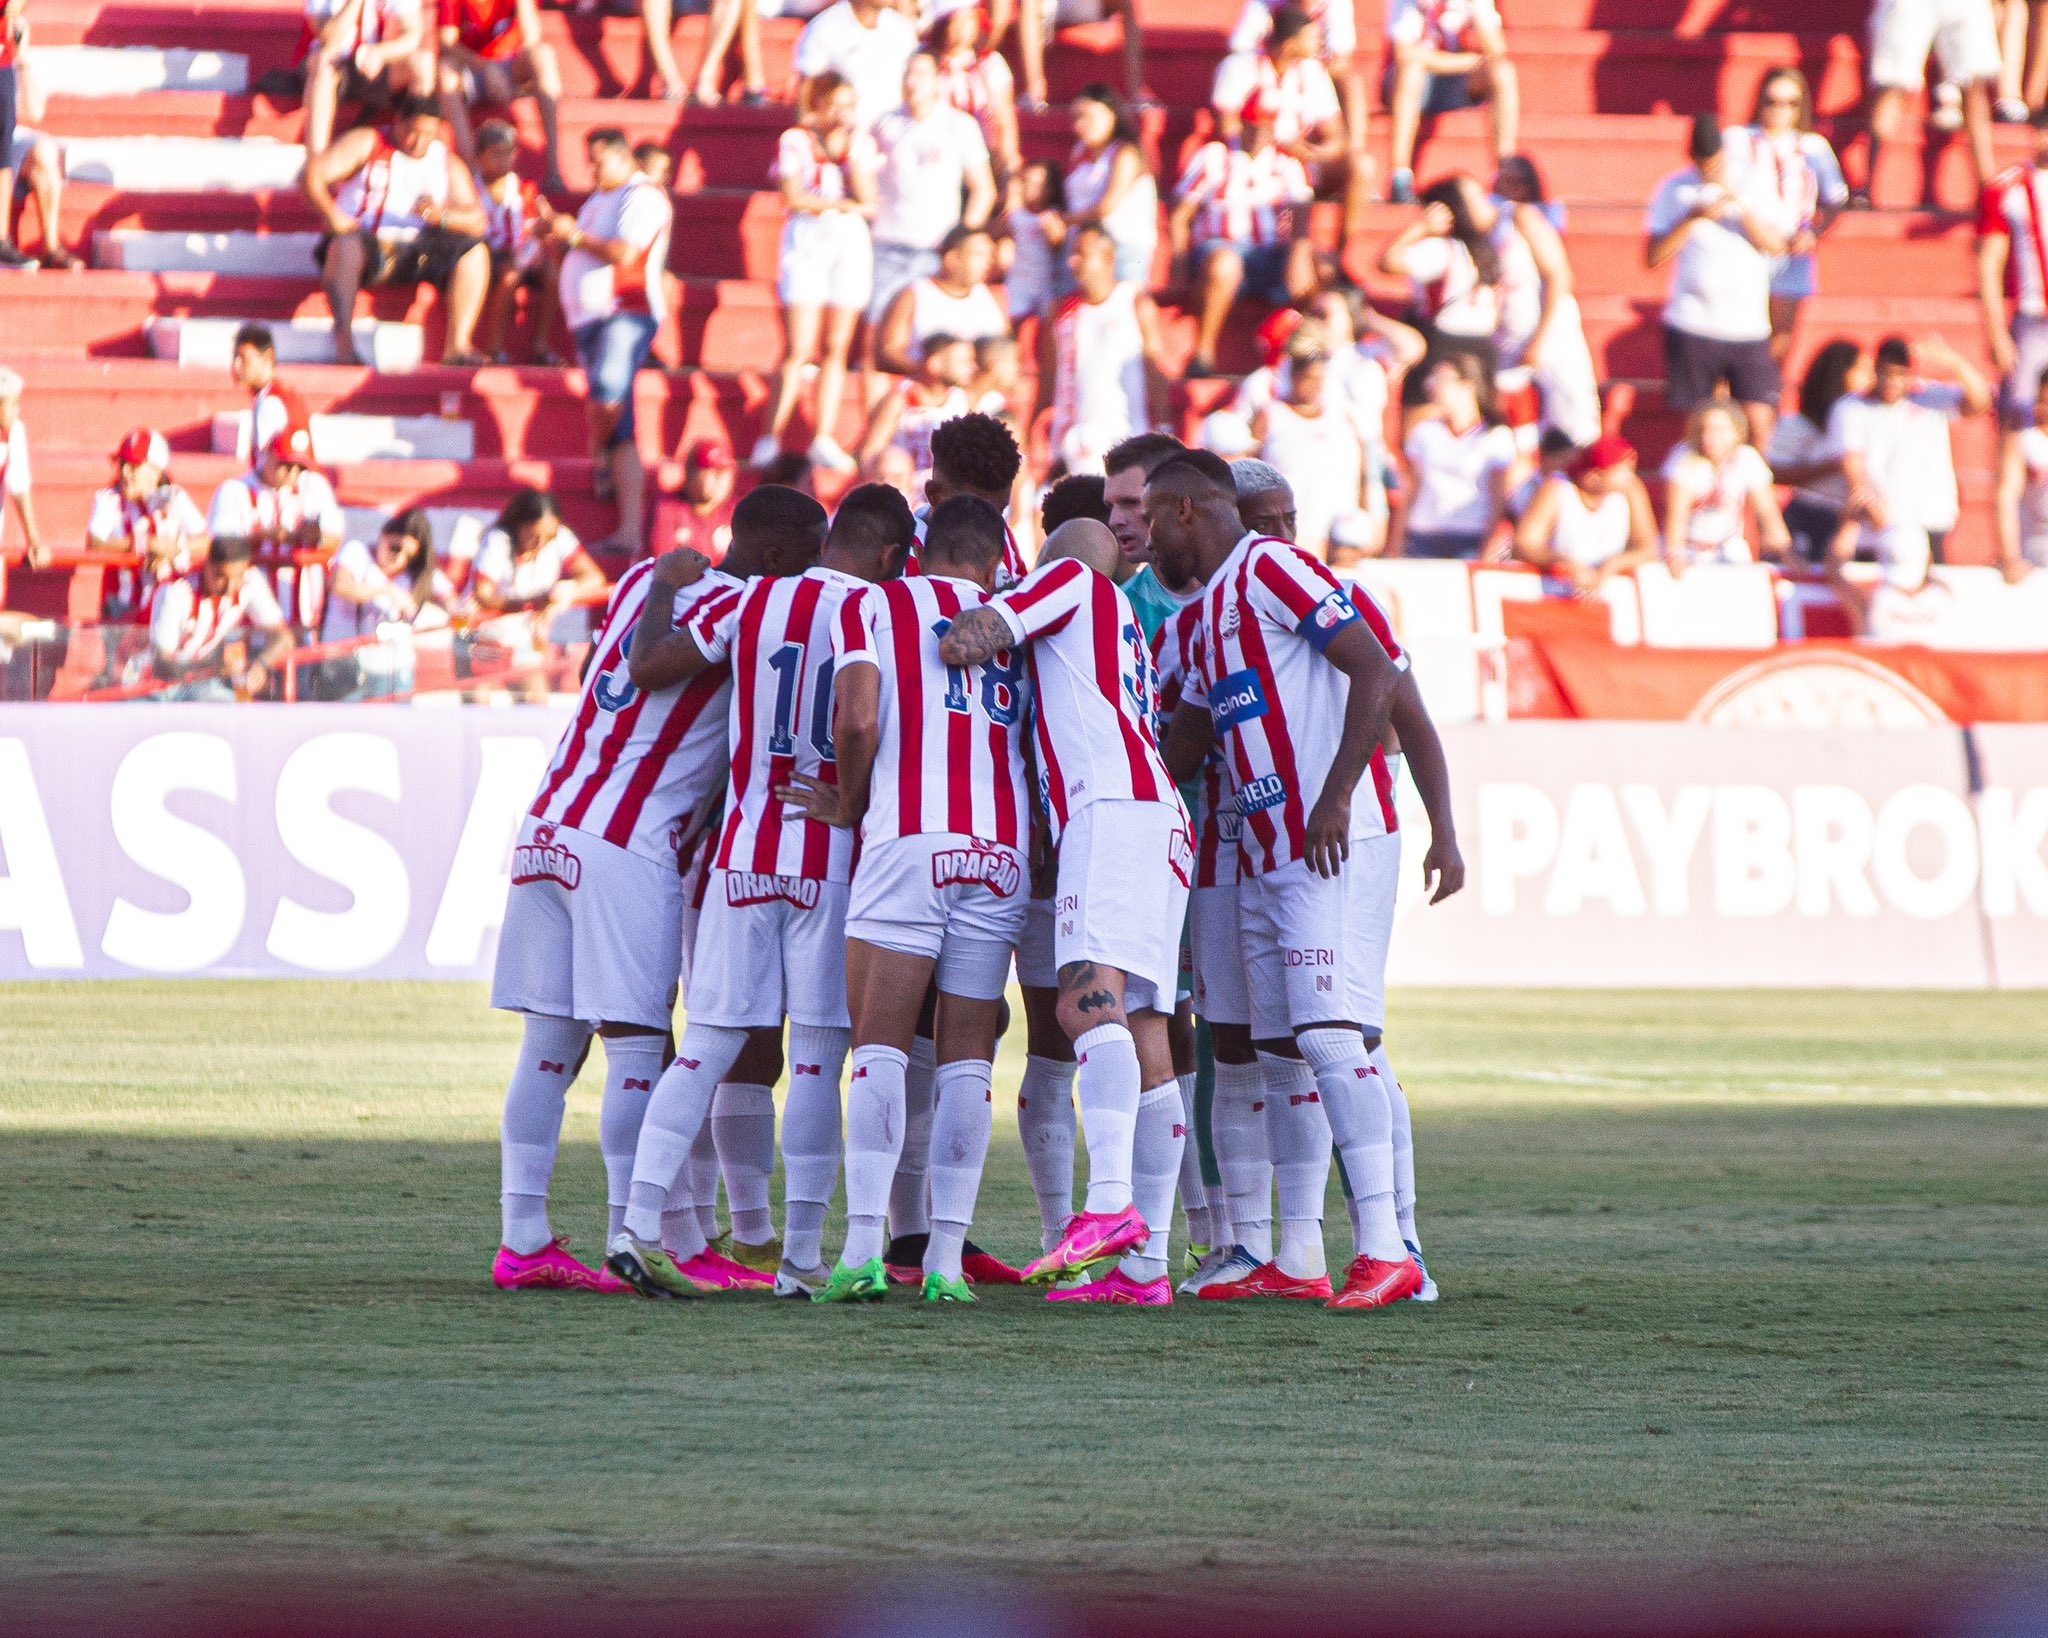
<point x="1960" y="32"/>
<point x="1036" y="969"/>
<point x="1315" y="950"/>
<point x="955" y="900"/>
<point x="592" y="931"/>
<point x="1123" y="895"/>
<point x="696" y="884"/>
<point x="826" y="261"/>
<point x="769" y="947"/>
<point x="1221" y="994"/>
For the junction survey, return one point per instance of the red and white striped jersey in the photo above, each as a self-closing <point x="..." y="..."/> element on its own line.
<point x="188" y="624"/>
<point x="1215" y="821"/>
<point x="160" y="531"/>
<point x="635" y="766"/>
<point x="800" y="157"/>
<point x="1246" y="198"/>
<point x="271" y="409"/>
<point x="2014" y="206"/>
<point x="511" y="218"/>
<point x="385" y="195"/>
<point x="1012" y="569"/>
<point x="778" y="637"/>
<point x="1257" y="664"/>
<point x="951" y="757"/>
<point x="1092" y="687"/>
<point x="978" y="85"/>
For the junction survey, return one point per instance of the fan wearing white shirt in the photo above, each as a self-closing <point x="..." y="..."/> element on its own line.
<point x="1805" y="459"/>
<point x="868" y="44"/>
<point x="391" y="582"/>
<point x="1590" y="522"/>
<point x="1788" y="158"/>
<point x="530" y="570"/>
<point x="1895" y="444"/>
<point x="200" y="628"/>
<point x="14" y="475"/>
<point x="1308" y="118"/>
<point x="1720" y="239"/>
<point x="1447" y="55"/>
<point x="1462" y="467"/>
<point x="1714" y="483"/>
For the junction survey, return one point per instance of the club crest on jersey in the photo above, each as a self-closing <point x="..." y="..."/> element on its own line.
<point x="995" y="868"/>
<point x="1180" y="857"/>
<point x="1229" y="824"/>
<point x="1260" y="794"/>
<point x="1230" y="619"/>
<point x="545" y="860"/>
<point x="743" y="887"/>
<point x="1237" y="699"/>
<point x="1322" y="623"/>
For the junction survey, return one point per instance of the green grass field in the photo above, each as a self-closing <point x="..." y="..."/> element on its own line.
<point x="1739" y="1278"/>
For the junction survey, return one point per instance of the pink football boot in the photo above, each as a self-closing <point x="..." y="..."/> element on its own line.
<point x="549" y="1269"/>
<point x="713" y="1272"/>
<point x="1118" y="1290"/>
<point x="1091" y="1237"/>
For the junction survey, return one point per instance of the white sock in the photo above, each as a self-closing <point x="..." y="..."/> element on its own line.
<point x="1404" y="1147"/>
<point x="700" y="1173"/>
<point x="743" y="1131"/>
<point x="943" y="1250"/>
<point x="1106" y="1078"/>
<point x="1362" y="1127"/>
<point x="1299" y="1135"/>
<point x="909" y="1209"/>
<point x="675" y="1114"/>
<point x="632" y="1064"/>
<point x="874" y="1141"/>
<point x="1045" y="1123"/>
<point x="810" y="1138"/>
<point x="530" y="1133"/>
<point x="1157" y="1145"/>
<point x="1237" y="1124"/>
<point x="1194" y="1201"/>
<point x="962" y="1114"/>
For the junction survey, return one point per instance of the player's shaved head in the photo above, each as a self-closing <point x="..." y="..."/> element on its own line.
<point x="1086" y="541"/>
<point x="775" y="530"/>
<point x="872" y="532"/>
<point x="1191" y="515"/>
<point x="964" y="537"/>
<point x="1194" y="472"/>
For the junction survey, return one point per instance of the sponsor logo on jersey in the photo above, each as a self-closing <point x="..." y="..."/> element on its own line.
<point x="744" y="887"/>
<point x="1261" y="794"/>
<point x="1308" y="958"/>
<point x="545" y="860"/>
<point x="978" y="864"/>
<point x="1237" y="699"/>
<point x="1322" y="623"/>
<point x="1180" y="857"/>
<point x="1229" y="824"/>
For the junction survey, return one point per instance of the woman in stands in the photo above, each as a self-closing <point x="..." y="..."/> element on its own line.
<point x="530" y="571"/>
<point x="1591" y="522"/>
<point x="1308" y="436"/>
<point x="1805" y="459"/>
<point x="1517" y="180"/>
<point x="974" y="79"/>
<point x="1462" y="466"/>
<point x="826" y="168"/>
<point x="1109" y="185"/>
<point x="1790" y="162"/>
<point x="393" y="583"/>
<point x="1715" y="484"/>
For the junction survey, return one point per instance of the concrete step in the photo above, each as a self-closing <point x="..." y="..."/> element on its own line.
<point x="268" y="255"/>
<point x="101" y="72"/>
<point x="208" y="343"/>
<point x="182" y="164"/>
<point x="349" y="440"/>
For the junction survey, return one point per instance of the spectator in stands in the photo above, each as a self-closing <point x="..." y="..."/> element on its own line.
<point x="704" y="520"/>
<point x="914" y="408"/>
<point x="1804" y="459"/>
<point x="530" y="571"/>
<point x="1312" y="441"/>
<point x="363" y="51"/>
<point x="403" y="211"/>
<point x="1585" y="528"/>
<point x="1077" y="495"/>
<point x="726" y="21"/>
<point x="516" y="219"/>
<point x="1462" y="466"/>
<point x="285" y="506"/>
<point x="1265" y="505"/>
<point x="2022" y="495"/>
<point x="1905" y="604"/>
<point x="1308" y="118"/>
<point x="1370" y="357"/>
<point x="1455" y="269"/>
<point x="32" y="169"/>
<point x="392" y="583"/>
<point x="974" y="79"/>
<point x="13" y="35"/>
<point x="1720" y="239"/>
<point x="1715" y="483"/>
<point x="1902" y="32"/>
<point x="1895" y="442"/>
<point x="1240" y="218"/>
<point x="15" y="483"/>
<point x="614" y="297"/>
<point x="955" y="302"/>
<point x="273" y="406"/>
<point x="147" y="519"/>
<point x="1447" y="55"/>
<point x="998" y="374"/>
<point x="1036" y="228"/>
<point x="1102" y="358"/>
<point x="867" y="44"/>
<point x="1790" y="162"/>
<point x="934" y="177"/>
<point x="1337" y="27"/>
<point x="2012" y="225"/>
<point x="491" y="52"/>
<point x="826" y="167"/>
<point x="203" y="625"/>
<point x="1036" y="20"/>
<point x="1287" y="331"/>
<point x="1109" y="185"/>
<point x="1517" y="180"/>
<point x="2022" y="72"/>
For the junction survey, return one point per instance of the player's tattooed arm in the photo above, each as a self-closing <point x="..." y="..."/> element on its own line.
<point x="1357" y="653"/>
<point x="975" y="637"/>
<point x="664" y="654"/>
<point x="1189" y="738"/>
<point x="1443" y="866"/>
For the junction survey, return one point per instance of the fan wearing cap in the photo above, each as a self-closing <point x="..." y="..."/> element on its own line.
<point x="285" y="505"/>
<point x="146" y="518"/>
<point x="201" y="628"/>
<point x="703" y="520"/>
<point x="1592" y="521"/>
<point x="1240" y="218"/>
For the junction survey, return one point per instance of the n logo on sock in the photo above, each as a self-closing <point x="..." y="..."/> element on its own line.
<point x="547" y="1068"/>
<point x="689" y="1063"/>
<point x="639" y="1086"/>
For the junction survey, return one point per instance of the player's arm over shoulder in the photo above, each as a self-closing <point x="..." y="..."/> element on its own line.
<point x="668" y="651"/>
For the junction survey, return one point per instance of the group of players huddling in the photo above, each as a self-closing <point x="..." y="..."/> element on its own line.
<point x="844" y="778"/>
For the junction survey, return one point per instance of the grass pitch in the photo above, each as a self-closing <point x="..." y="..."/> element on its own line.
<point x="1751" y="1278"/>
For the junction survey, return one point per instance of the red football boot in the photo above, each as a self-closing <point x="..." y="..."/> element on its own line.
<point x="1267" y="1281"/>
<point x="1369" y="1283"/>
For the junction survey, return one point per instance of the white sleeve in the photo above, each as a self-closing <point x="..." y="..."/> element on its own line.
<point x="814" y="47"/>
<point x="1253" y="26"/>
<point x="185" y="515"/>
<point x="1667" y="207"/>
<point x="321" y="505"/>
<point x="1827" y="170"/>
<point x="1945" y="398"/>
<point x="167" y="616"/>
<point x="1846" y="429"/>
<point x="354" y="558"/>
<point x="1321" y="102"/>
<point x="645" y="218"/>
<point x="105" y="521"/>
<point x="231" y="514"/>
<point x="1236" y="76"/>
<point x="1427" y="260"/>
<point x="1756" y="472"/>
<point x="494" y="559"/>
<point x="17" y="461"/>
<point x="264" y="613"/>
